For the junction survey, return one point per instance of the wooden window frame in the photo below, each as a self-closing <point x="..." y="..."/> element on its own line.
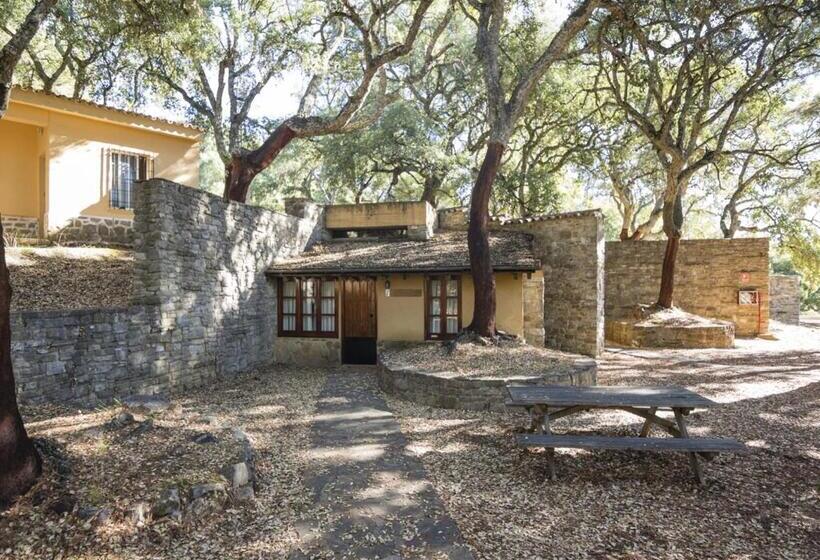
<point x="428" y="298"/>
<point x="110" y="176"/>
<point x="317" y="315"/>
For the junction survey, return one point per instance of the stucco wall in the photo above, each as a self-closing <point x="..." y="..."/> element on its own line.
<point x="202" y="304"/>
<point x="401" y="316"/>
<point x="19" y="194"/>
<point x="77" y="150"/>
<point x="53" y="153"/>
<point x="708" y="276"/>
<point x="571" y="249"/>
<point x="784" y="305"/>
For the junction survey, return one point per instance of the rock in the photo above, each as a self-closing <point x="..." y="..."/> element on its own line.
<point x="198" y="507"/>
<point x="237" y="474"/>
<point x="244" y="494"/>
<point x="240" y="435"/>
<point x="143" y="428"/>
<point x="147" y="404"/>
<point x="139" y="513"/>
<point x="200" y="490"/>
<point x="204" y="438"/>
<point x="123" y="419"/>
<point x="168" y="504"/>
<point x="211" y="420"/>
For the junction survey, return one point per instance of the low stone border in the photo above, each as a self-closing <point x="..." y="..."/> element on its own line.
<point x="482" y="393"/>
<point x="627" y="333"/>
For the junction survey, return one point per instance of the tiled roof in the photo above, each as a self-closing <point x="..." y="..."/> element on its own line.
<point x="108" y="108"/>
<point x="445" y="252"/>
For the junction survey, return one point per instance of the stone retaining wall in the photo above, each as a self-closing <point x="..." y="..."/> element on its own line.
<point x="95" y="230"/>
<point x="431" y="389"/>
<point x="21" y="226"/>
<point x="203" y="306"/>
<point x="708" y="276"/>
<point x="784" y="302"/>
<point x="626" y="333"/>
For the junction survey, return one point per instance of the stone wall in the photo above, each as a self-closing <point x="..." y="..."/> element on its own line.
<point x="203" y="306"/>
<point x="84" y="355"/>
<point x="21" y="226"/>
<point x="571" y="249"/>
<point x="533" y="299"/>
<point x="784" y="298"/>
<point x="95" y="230"/>
<point x="708" y="276"/>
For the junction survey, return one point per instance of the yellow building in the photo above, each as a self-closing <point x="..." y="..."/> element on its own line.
<point x="67" y="167"/>
<point x="385" y="273"/>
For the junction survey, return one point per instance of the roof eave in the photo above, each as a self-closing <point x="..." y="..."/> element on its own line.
<point x="392" y="270"/>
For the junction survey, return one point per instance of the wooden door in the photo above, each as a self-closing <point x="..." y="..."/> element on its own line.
<point x="358" y="321"/>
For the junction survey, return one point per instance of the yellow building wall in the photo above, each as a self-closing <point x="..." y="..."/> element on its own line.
<point x="19" y="182"/>
<point x="509" y="301"/>
<point x="382" y="214"/>
<point x="401" y="317"/>
<point x="77" y="164"/>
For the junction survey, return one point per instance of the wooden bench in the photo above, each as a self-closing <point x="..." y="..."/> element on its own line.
<point x="548" y="403"/>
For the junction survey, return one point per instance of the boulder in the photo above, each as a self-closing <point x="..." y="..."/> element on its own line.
<point x="168" y="504"/>
<point x="244" y="494"/>
<point x="201" y="490"/>
<point x="237" y="474"/>
<point x="139" y="513"/>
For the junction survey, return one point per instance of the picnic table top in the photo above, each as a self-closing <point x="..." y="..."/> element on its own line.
<point x="568" y="395"/>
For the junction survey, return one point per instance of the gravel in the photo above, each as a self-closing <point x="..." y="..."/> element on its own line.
<point x="609" y="504"/>
<point x="507" y="359"/>
<point x="60" y="278"/>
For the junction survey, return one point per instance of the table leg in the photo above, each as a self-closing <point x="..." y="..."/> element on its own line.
<point x="693" y="457"/>
<point x="545" y="429"/>
<point x="647" y="424"/>
<point x="537" y="418"/>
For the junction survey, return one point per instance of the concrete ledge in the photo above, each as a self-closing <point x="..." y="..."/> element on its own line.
<point x="627" y="333"/>
<point x="437" y="390"/>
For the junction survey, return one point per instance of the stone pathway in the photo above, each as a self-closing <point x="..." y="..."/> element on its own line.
<point x="372" y="498"/>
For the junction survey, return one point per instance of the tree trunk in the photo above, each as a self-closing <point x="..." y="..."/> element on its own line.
<point x="12" y="51"/>
<point x="20" y="464"/>
<point x="668" y="272"/>
<point x="432" y="184"/>
<point x="672" y="226"/>
<point x="246" y="166"/>
<point x="478" y="240"/>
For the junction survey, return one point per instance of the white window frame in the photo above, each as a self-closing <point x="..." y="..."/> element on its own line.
<point x="125" y="196"/>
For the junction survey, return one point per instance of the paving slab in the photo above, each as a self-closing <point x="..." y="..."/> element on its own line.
<point x="372" y="497"/>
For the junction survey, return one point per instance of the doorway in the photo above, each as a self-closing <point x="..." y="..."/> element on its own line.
<point x="358" y="321"/>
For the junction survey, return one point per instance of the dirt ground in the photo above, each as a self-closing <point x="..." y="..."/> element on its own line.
<point x="609" y="504"/>
<point x="605" y="504"/>
<point x="54" y="278"/>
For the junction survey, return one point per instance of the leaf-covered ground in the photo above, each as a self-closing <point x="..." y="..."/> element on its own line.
<point x="609" y="504"/>
<point x="604" y="505"/>
<point x="55" y="278"/>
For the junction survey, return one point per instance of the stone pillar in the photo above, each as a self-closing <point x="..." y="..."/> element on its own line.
<point x="784" y="298"/>
<point x="533" y="298"/>
<point x="426" y="231"/>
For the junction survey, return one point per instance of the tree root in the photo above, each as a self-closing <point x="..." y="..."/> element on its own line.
<point x="468" y="336"/>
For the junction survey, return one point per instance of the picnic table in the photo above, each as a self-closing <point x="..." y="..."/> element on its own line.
<point x="547" y="403"/>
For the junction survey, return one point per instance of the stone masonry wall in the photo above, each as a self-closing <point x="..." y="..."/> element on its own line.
<point x="571" y="249"/>
<point x="21" y="226"/>
<point x="784" y="302"/>
<point x="203" y="306"/>
<point x="533" y="297"/>
<point x="96" y="230"/>
<point x="708" y="276"/>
